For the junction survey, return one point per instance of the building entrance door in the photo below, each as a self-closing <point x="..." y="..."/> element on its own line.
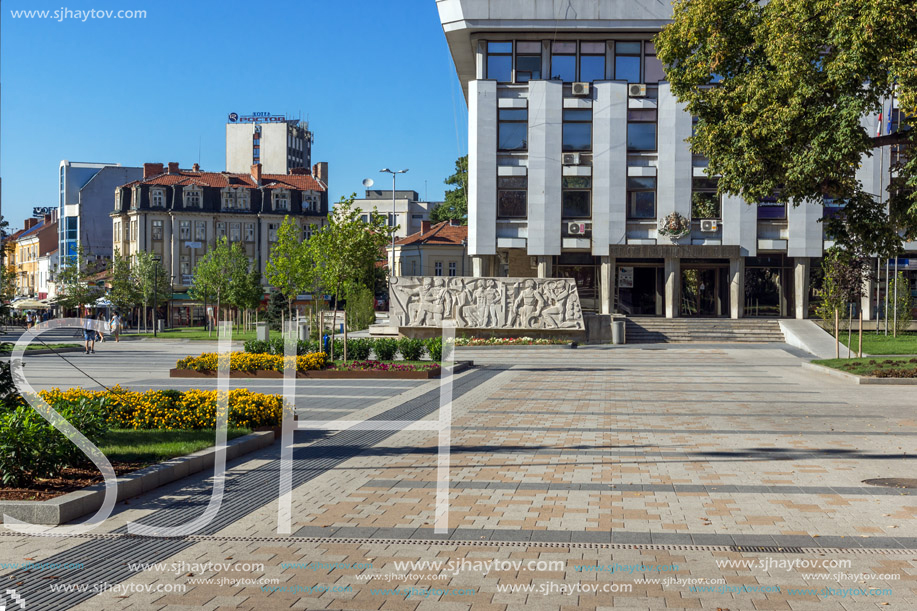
<point x="704" y="290"/>
<point x="639" y="289"/>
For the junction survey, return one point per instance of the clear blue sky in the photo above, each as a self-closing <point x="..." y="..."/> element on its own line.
<point x="375" y="80"/>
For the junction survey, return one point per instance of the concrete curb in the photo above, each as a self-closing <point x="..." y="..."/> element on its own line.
<point x="851" y="377"/>
<point x="73" y="505"/>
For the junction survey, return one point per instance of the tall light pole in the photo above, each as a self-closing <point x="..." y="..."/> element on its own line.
<point x="394" y="174"/>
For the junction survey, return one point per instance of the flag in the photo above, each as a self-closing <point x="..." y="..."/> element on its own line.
<point x="879" y="124"/>
<point x="888" y="128"/>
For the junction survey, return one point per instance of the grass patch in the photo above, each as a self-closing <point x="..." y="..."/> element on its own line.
<point x="898" y="367"/>
<point x="45" y="347"/>
<point x="905" y="343"/>
<point x="150" y="447"/>
<point x="200" y="333"/>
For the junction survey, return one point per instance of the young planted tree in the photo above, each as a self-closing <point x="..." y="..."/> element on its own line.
<point x="780" y="91"/>
<point x="124" y="293"/>
<point x="245" y="291"/>
<point x="75" y="288"/>
<point x="346" y="250"/>
<point x="845" y="278"/>
<point x="212" y="276"/>
<point x="287" y="269"/>
<point x="152" y="282"/>
<point x="456" y="205"/>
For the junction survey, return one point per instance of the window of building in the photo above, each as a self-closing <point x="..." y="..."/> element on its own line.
<point x="249" y="232"/>
<point x="511" y="196"/>
<point x="641" y="130"/>
<point x="528" y="61"/>
<point x="184" y="230"/>
<point x="500" y="61"/>
<point x="193" y="198"/>
<point x="417" y="217"/>
<point x="281" y="199"/>
<point x="512" y="129"/>
<point x="452" y="267"/>
<point x="229" y="199"/>
<point x="243" y="199"/>
<point x="200" y="231"/>
<point x="272" y="232"/>
<point x="235" y="231"/>
<point x="364" y="218"/>
<point x="769" y="208"/>
<point x="438" y="268"/>
<point x="221" y="229"/>
<point x="592" y="61"/>
<point x="705" y="202"/>
<point x="627" y="61"/>
<point x="563" y="61"/>
<point x="652" y="67"/>
<point x="116" y="232"/>
<point x="185" y="265"/>
<point x="157" y="230"/>
<point x="641" y="197"/>
<point x="577" y="129"/>
<point x="135" y="234"/>
<point x="157" y="198"/>
<point x="576" y="197"/>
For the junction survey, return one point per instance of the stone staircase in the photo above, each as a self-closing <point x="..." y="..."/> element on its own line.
<point x="703" y="330"/>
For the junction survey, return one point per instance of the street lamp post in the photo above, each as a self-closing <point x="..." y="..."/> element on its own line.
<point x="394" y="174"/>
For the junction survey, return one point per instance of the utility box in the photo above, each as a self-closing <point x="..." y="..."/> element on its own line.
<point x="617" y="332"/>
<point x="303" y="334"/>
<point x="261" y="331"/>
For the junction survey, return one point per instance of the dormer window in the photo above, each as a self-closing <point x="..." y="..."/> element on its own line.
<point x="243" y="199"/>
<point x="281" y="200"/>
<point x="193" y="197"/>
<point x="229" y="199"/>
<point x="157" y="198"/>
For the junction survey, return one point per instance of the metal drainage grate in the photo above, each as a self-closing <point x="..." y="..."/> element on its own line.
<point x="892" y="482"/>
<point x="772" y="549"/>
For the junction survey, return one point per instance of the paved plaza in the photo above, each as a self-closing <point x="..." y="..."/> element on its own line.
<point x="647" y="477"/>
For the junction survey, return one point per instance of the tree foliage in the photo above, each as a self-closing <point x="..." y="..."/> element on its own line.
<point x="793" y="83"/>
<point x="456" y="204"/>
<point x="123" y="292"/>
<point x="75" y="285"/>
<point x="288" y="268"/>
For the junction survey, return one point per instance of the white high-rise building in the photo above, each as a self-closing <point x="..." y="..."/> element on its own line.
<point x="277" y="143"/>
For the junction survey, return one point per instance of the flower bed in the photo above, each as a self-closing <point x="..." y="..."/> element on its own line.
<point x="172" y="409"/>
<point x="508" y="341"/>
<point x="380" y="366"/>
<point x="902" y="367"/>
<point x="252" y="362"/>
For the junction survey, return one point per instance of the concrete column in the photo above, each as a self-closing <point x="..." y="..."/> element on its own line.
<point x="546" y="105"/>
<point x="607" y="285"/>
<point x="801" y="286"/>
<point x="674" y="172"/>
<point x="609" y="166"/>
<point x="672" y="287"/>
<point x="482" y="159"/>
<point x="480" y="266"/>
<point x="544" y="266"/>
<point x="736" y="287"/>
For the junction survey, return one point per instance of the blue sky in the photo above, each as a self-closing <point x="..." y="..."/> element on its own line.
<point x="375" y="80"/>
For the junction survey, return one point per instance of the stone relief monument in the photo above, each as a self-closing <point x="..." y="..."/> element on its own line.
<point x="486" y="303"/>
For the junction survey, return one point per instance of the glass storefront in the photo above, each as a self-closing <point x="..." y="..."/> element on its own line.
<point x="704" y="288"/>
<point x="768" y="286"/>
<point x="639" y="287"/>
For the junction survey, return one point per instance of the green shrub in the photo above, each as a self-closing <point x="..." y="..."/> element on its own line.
<point x="360" y="309"/>
<point x="435" y="348"/>
<point x="385" y="348"/>
<point x="358" y="349"/>
<point x="307" y="346"/>
<point x="257" y="346"/>
<point x="411" y="348"/>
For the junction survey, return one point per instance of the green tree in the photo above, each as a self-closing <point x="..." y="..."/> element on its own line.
<point x="152" y="281"/>
<point x="287" y="269"/>
<point x="456" y="205"/>
<point x="75" y="285"/>
<point x="124" y="292"/>
<point x="346" y="250"/>
<point x="845" y="275"/>
<point x="780" y="90"/>
<point x="245" y="290"/>
<point x="212" y="276"/>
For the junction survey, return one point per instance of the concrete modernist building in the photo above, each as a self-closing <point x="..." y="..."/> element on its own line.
<point x="179" y="214"/>
<point x="85" y="203"/>
<point x="435" y="250"/>
<point x="279" y="144"/>
<point x="409" y="211"/>
<point x="576" y="152"/>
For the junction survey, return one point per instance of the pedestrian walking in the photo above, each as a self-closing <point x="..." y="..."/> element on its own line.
<point x="28" y="320"/>
<point x="89" y="334"/>
<point x="115" y="325"/>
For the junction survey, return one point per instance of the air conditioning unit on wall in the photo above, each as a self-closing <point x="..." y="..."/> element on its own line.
<point x="580" y="89"/>
<point x="570" y="159"/>
<point x="578" y="228"/>
<point x="709" y="225"/>
<point x="636" y="90"/>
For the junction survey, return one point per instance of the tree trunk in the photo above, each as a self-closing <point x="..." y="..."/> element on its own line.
<point x="849" y="330"/>
<point x="837" y="334"/>
<point x="860" y="348"/>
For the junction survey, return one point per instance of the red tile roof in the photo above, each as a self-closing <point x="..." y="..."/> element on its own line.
<point x="301" y="182"/>
<point x="442" y="234"/>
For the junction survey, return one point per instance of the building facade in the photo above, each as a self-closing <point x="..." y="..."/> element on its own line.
<point x="407" y="211"/>
<point x="434" y="250"/>
<point x="85" y="203"/>
<point x="38" y="238"/>
<point x="279" y="144"/>
<point x="47" y="275"/>
<point x="179" y="214"/>
<point x="577" y="152"/>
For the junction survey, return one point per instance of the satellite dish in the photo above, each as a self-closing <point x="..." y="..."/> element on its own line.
<point x="367" y="182"/>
